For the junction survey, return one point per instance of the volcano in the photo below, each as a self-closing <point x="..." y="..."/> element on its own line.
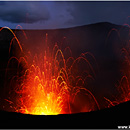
<point x="78" y="73"/>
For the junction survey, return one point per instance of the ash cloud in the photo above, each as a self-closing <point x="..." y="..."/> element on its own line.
<point x="23" y="12"/>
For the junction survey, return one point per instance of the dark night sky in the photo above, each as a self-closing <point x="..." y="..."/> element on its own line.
<point x="52" y="14"/>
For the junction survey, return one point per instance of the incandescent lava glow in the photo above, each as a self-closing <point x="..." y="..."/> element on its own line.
<point x="43" y="90"/>
<point x="48" y="83"/>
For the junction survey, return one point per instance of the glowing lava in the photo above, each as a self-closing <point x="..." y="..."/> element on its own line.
<point x="123" y="88"/>
<point x="49" y="83"/>
<point x="42" y="93"/>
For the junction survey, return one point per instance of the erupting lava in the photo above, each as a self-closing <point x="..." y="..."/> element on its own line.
<point x="53" y="82"/>
<point x="48" y="84"/>
<point x="42" y="92"/>
<point x="123" y="92"/>
<point x="123" y="88"/>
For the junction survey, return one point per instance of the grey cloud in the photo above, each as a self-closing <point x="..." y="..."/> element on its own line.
<point x="91" y="12"/>
<point x="24" y="12"/>
<point x="59" y="14"/>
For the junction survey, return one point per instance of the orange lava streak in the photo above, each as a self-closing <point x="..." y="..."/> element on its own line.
<point x="22" y="30"/>
<point x="78" y="89"/>
<point x="14" y="36"/>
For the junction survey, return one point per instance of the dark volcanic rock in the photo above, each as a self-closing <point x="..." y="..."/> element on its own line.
<point x="109" y="118"/>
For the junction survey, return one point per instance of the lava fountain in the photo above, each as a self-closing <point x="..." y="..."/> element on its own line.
<point x="48" y="83"/>
<point x="123" y="95"/>
<point x="123" y="86"/>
